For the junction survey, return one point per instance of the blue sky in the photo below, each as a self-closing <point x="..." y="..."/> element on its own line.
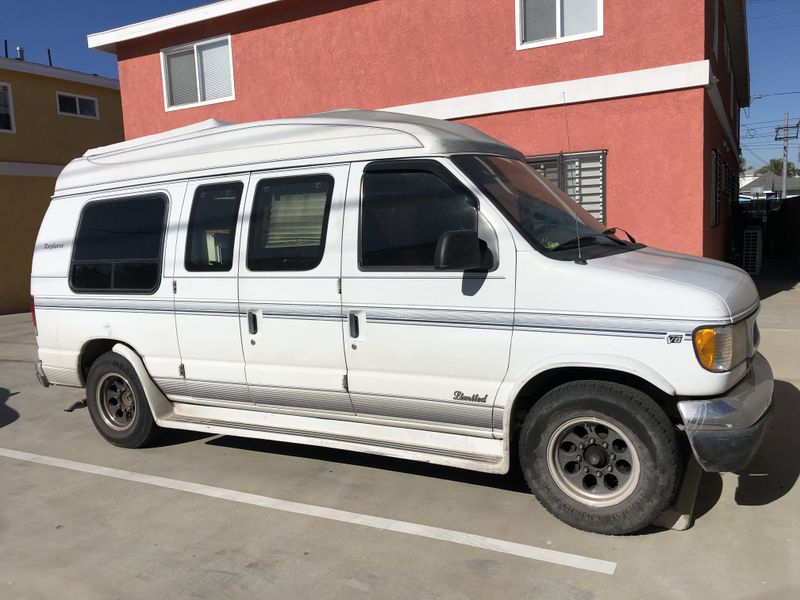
<point x="774" y="26"/>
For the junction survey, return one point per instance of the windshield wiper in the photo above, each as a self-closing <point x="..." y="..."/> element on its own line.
<point x="591" y="240"/>
<point x="612" y="230"/>
<point x="584" y="240"/>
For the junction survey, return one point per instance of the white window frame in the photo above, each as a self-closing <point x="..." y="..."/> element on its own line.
<point x="519" y="10"/>
<point x="193" y="46"/>
<point x="10" y="108"/>
<point x="77" y="97"/>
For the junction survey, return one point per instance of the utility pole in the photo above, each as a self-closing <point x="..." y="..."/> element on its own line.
<point x="784" y="134"/>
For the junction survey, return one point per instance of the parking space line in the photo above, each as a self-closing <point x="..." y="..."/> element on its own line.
<point x="448" y="535"/>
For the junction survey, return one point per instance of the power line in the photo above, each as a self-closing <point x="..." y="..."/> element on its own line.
<point x="783" y="14"/>
<point x="774" y="28"/>
<point x="746" y="123"/>
<point x="757" y="96"/>
<point x="766" y="162"/>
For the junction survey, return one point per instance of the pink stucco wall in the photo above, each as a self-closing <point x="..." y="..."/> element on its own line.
<point x="297" y="57"/>
<point x="654" y="164"/>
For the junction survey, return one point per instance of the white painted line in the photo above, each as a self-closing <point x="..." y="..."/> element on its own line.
<point x="448" y="535"/>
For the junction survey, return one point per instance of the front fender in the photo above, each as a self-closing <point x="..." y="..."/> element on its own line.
<point x="609" y="362"/>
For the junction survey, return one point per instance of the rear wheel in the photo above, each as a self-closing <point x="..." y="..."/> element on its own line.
<point x="117" y="403"/>
<point x="600" y="456"/>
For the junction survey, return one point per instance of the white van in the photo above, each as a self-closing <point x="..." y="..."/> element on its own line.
<point x="396" y="285"/>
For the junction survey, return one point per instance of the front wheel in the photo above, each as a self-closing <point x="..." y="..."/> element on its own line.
<point x="600" y="456"/>
<point x="117" y="403"/>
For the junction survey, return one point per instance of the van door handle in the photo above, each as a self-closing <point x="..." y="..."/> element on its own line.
<point x="252" y="322"/>
<point x="353" y="325"/>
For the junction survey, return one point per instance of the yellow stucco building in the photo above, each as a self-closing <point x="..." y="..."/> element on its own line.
<point x="48" y="116"/>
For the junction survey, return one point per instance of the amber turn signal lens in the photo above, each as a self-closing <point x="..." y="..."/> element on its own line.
<point x="705" y="343"/>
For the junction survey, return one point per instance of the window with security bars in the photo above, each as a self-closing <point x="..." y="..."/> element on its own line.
<point x="581" y="175"/>
<point x="198" y="73"/>
<point x="724" y="187"/>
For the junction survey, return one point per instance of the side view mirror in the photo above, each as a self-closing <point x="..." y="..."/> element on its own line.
<point x="458" y="251"/>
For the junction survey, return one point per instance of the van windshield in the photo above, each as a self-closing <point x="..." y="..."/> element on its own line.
<point x="550" y="220"/>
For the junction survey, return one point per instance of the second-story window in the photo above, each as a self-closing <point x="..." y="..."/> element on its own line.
<point x="544" y="22"/>
<point x="6" y="109"/>
<point x="77" y="106"/>
<point x="198" y="73"/>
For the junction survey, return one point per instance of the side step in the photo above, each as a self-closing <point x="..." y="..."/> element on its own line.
<point x="479" y="454"/>
<point x="463" y="451"/>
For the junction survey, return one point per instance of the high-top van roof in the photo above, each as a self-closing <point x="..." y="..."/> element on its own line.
<point x="213" y="146"/>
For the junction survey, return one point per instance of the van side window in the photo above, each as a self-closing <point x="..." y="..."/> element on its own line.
<point x="212" y="227"/>
<point x="288" y="223"/>
<point x="403" y="213"/>
<point x="118" y="245"/>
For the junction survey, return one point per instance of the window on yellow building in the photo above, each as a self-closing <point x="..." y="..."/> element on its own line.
<point x="6" y="109"/>
<point x="77" y="106"/>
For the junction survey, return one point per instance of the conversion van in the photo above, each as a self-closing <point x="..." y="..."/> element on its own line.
<point x="397" y="285"/>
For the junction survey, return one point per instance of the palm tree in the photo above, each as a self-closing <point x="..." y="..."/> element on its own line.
<point x="776" y="166"/>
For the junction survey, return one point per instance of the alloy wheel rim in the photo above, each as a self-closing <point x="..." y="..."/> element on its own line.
<point x="593" y="461"/>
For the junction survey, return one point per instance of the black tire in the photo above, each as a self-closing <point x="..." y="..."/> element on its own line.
<point x="628" y="417"/>
<point x="117" y="403"/>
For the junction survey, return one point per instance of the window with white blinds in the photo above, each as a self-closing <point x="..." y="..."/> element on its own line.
<point x="543" y="22"/>
<point x="288" y="223"/>
<point x="198" y="73"/>
<point x="581" y="175"/>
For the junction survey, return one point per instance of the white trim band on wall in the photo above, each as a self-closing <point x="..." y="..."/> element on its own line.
<point x="618" y="85"/>
<point x="30" y="169"/>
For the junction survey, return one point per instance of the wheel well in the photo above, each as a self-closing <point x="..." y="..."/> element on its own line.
<point x="91" y="351"/>
<point x="542" y="383"/>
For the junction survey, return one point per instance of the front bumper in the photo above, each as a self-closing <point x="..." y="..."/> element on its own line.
<point x="726" y="431"/>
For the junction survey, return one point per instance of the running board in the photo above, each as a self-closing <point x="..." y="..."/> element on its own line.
<point x="478" y="454"/>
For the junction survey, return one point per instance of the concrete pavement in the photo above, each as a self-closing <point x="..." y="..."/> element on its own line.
<point x="70" y="534"/>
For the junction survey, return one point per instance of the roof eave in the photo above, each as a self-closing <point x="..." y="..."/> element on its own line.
<point x="32" y="68"/>
<point x="736" y="16"/>
<point x="106" y="41"/>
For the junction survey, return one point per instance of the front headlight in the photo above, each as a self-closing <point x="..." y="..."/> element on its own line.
<point x="720" y="349"/>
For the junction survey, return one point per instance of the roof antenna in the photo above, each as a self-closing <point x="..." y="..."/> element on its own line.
<point x="580" y="260"/>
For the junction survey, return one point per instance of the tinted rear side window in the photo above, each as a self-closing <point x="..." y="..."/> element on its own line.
<point x="212" y="227"/>
<point x="118" y="245"/>
<point x="288" y="224"/>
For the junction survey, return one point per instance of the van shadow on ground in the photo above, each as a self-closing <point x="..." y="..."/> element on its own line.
<point x="513" y="481"/>
<point x="774" y="470"/>
<point x="777" y="275"/>
<point x="7" y="414"/>
<point x="771" y="475"/>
